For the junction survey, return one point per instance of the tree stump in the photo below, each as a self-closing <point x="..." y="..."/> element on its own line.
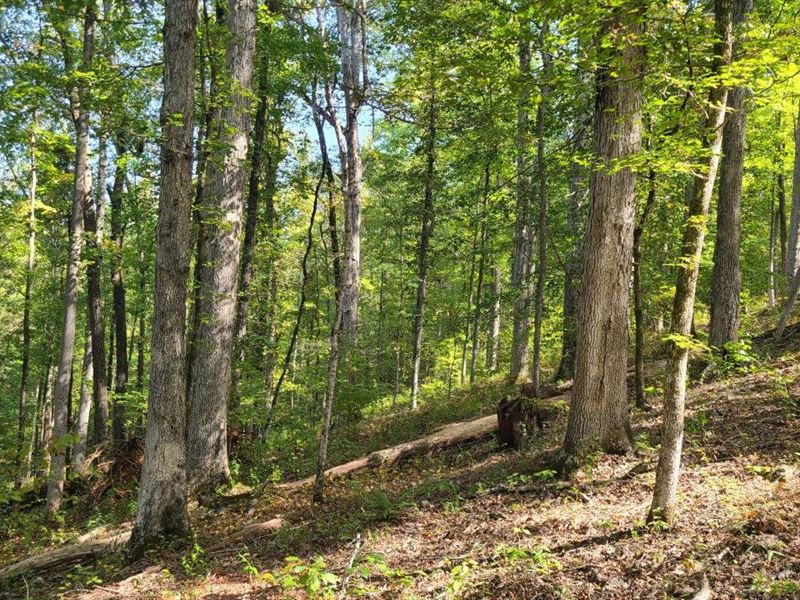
<point x="518" y="420"/>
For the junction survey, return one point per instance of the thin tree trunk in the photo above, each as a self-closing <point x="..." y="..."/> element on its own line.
<point x="94" y="272"/>
<point x="793" y="248"/>
<point x="120" y="317"/>
<point x="162" y="501"/>
<point x="207" y="448"/>
<point x="493" y="343"/>
<point x="523" y="230"/>
<point x="599" y="411"/>
<point x="83" y="195"/>
<point x="26" y="311"/>
<point x="638" y="310"/>
<point x="84" y="406"/>
<point x="669" y="459"/>
<point x="426" y="232"/>
<point x="771" y="297"/>
<point x="476" y="315"/>
<point x="536" y="366"/>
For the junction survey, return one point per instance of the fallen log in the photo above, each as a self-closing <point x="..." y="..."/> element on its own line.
<point x="452" y="434"/>
<point x="74" y="552"/>
<point x="252" y="531"/>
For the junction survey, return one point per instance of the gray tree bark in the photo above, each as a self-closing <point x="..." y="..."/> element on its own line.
<point x="793" y="247"/>
<point x="81" y="427"/>
<point x="598" y="415"/>
<point x="669" y="459"/>
<point x="162" y="501"/>
<point x="120" y="316"/>
<point x="83" y="195"/>
<point x="523" y="230"/>
<point x="638" y="309"/>
<point x="493" y="343"/>
<point x="726" y="276"/>
<point x="426" y="218"/>
<point x="222" y="206"/>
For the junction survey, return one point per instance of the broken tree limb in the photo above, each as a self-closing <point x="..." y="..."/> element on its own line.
<point x="66" y="554"/>
<point x="252" y="531"/>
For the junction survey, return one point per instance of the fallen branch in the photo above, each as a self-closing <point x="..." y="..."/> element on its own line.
<point x="66" y="554"/>
<point x="255" y="530"/>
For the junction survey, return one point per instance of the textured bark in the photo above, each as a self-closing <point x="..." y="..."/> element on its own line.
<point x="162" y="502"/>
<point x="726" y="276"/>
<point x="81" y="428"/>
<point x="94" y="272"/>
<point x="669" y="459"/>
<point x="536" y="365"/>
<point x="793" y="247"/>
<point x="638" y="309"/>
<point x="120" y="317"/>
<point x="523" y="231"/>
<point x="598" y="415"/>
<point x="351" y="20"/>
<point x="83" y="195"/>
<point x="782" y="227"/>
<point x="426" y="231"/>
<point x="254" y="196"/>
<point x="222" y="208"/>
<point x="26" y="311"/>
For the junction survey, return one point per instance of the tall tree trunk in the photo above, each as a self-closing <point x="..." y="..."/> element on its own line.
<point x="493" y="343"/>
<point x="83" y="195"/>
<point x="251" y="220"/>
<point x="599" y="411"/>
<point x="772" y="297"/>
<point x="426" y="232"/>
<point x="782" y="228"/>
<point x="536" y="366"/>
<point x="576" y="204"/>
<point x="669" y="459"/>
<point x="162" y="502"/>
<point x="793" y="248"/>
<point x="81" y="429"/>
<point x="523" y="230"/>
<point x="726" y="276"/>
<point x="207" y="454"/>
<point x="476" y="315"/>
<point x="120" y="317"/>
<point x="94" y="272"/>
<point x="638" y="310"/>
<point x="351" y="21"/>
<point x="26" y="311"/>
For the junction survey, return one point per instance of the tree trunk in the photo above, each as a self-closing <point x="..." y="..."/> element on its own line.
<point x="422" y="250"/>
<point x="536" y="366"/>
<point x="26" y="311"/>
<point x="83" y="195"/>
<point x="162" y="502"/>
<point x="669" y="459"/>
<point x="523" y="231"/>
<point x="493" y="343"/>
<point x="207" y="452"/>
<point x="726" y="276"/>
<point x="84" y="406"/>
<point x="599" y="411"/>
<point x="476" y="314"/>
<point x="94" y="273"/>
<point x="793" y="248"/>
<point x="771" y="295"/>
<point x="120" y="317"/>
<point x="638" y="310"/>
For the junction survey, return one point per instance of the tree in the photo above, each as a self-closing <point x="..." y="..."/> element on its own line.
<point x="726" y="276"/>
<point x="679" y="343"/>
<point x="83" y="195"/>
<point x="599" y="410"/>
<point x="222" y="222"/>
<point x="162" y="502"/>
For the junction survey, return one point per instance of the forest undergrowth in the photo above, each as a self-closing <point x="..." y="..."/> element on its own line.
<point x="473" y="521"/>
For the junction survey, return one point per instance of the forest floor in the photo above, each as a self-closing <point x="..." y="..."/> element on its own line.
<point x="473" y="521"/>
